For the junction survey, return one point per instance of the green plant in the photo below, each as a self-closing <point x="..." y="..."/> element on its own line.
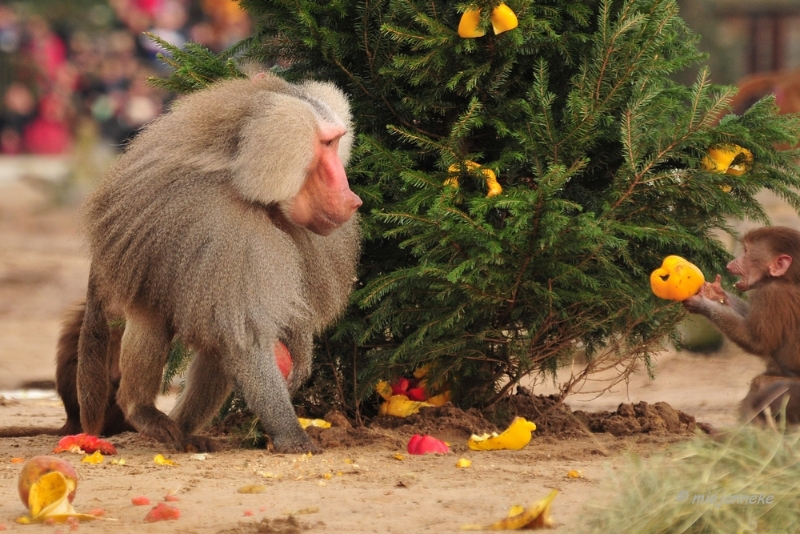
<point x="598" y="152"/>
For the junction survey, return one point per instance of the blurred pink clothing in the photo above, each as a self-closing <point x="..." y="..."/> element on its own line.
<point x="44" y="136"/>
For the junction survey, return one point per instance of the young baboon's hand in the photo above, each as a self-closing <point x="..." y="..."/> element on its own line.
<point x="713" y="291"/>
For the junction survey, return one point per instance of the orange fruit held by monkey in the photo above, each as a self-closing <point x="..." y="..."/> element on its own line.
<point x="676" y="279"/>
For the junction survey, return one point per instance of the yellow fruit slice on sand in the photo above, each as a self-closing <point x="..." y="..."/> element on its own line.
<point x="515" y="437"/>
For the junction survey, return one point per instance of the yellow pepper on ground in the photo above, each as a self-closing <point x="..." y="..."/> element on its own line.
<point x="535" y="517"/>
<point x="515" y="437"/>
<point x="400" y="406"/>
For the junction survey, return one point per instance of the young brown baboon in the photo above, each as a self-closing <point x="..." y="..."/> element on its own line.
<point x="66" y="369"/>
<point x="228" y="222"/>
<point x="768" y="325"/>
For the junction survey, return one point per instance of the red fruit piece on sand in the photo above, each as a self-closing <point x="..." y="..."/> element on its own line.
<point x="162" y="512"/>
<point x="424" y="444"/>
<point x="86" y="443"/>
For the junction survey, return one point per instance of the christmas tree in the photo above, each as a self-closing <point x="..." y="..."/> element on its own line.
<point x="519" y="184"/>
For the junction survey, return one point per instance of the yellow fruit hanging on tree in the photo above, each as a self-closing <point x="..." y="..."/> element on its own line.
<point x="728" y="159"/>
<point x="488" y="174"/>
<point x="503" y="19"/>
<point x="468" y="25"/>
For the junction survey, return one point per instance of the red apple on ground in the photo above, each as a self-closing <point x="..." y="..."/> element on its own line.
<point x="39" y="466"/>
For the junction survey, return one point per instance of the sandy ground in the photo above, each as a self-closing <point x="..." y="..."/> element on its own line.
<point x="360" y="488"/>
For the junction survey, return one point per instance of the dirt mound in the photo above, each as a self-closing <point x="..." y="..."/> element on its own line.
<point x="443" y="418"/>
<point x="640" y="418"/>
<point x="552" y="418"/>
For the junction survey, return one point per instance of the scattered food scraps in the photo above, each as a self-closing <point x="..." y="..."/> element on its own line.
<point x="463" y="463"/>
<point x="401" y="406"/>
<point x="254" y="488"/>
<point x="515" y="437"/>
<point x="49" y="497"/>
<point x="171" y="498"/>
<point x="535" y="517"/>
<point x="516" y="510"/>
<point x="384" y="389"/>
<point x="320" y="423"/>
<point x="574" y="473"/>
<point x="159" y="459"/>
<point x="140" y="500"/>
<point x="424" y="444"/>
<point x="17" y="460"/>
<point x="94" y="458"/>
<point x="248" y="513"/>
<point x="162" y="512"/>
<point x="121" y="461"/>
<point x="84" y="443"/>
<point x="39" y="466"/>
<point x="201" y="456"/>
<point x="399" y="456"/>
<point x="401" y="394"/>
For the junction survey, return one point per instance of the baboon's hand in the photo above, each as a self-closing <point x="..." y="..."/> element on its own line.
<point x="200" y="444"/>
<point x="296" y="446"/>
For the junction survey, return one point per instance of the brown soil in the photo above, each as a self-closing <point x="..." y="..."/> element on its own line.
<point x="365" y="481"/>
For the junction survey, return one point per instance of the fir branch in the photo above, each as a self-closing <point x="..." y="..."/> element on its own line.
<point x="194" y="67"/>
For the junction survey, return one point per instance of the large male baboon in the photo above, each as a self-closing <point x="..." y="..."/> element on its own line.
<point x="227" y="223"/>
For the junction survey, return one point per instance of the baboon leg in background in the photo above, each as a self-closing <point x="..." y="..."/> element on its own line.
<point x="207" y="387"/>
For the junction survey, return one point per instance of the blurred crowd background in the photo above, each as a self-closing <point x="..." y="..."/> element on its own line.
<point x="72" y="70"/>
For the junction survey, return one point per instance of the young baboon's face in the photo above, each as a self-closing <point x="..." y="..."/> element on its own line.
<point x="757" y="264"/>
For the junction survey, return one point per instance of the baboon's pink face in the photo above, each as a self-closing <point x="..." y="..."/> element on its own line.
<point x="744" y="266"/>
<point x="325" y="202"/>
<point x="757" y="264"/>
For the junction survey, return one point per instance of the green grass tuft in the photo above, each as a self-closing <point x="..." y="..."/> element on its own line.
<point x="748" y="480"/>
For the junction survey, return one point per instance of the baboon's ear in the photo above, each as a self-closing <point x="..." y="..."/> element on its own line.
<point x="779" y="265"/>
